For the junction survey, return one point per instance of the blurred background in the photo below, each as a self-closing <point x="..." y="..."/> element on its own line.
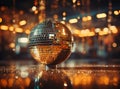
<point x="95" y="25"/>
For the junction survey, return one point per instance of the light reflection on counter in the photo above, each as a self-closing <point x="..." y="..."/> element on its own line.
<point x="82" y="77"/>
<point x="94" y="79"/>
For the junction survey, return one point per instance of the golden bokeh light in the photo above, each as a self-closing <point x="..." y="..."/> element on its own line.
<point x="22" y="22"/>
<point x="11" y="28"/>
<point x="0" y="19"/>
<point x="101" y="15"/>
<point x="64" y="13"/>
<point x="114" y="44"/>
<point x="12" y="45"/>
<point x="73" y="20"/>
<point x="27" y="31"/>
<point x="4" y="27"/>
<point x="34" y="8"/>
<point x="19" y="30"/>
<point x="84" y="19"/>
<point x="116" y="12"/>
<point x="89" y="17"/>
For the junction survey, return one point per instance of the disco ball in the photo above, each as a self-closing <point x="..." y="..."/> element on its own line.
<point x="50" y="42"/>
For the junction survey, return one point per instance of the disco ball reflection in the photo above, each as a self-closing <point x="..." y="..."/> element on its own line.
<point x="52" y="79"/>
<point x="50" y="42"/>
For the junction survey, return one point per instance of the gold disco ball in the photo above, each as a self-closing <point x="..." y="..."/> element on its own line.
<point x="50" y="42"/>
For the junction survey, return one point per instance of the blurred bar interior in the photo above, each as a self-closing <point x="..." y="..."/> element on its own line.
<point x="95" y="25"/>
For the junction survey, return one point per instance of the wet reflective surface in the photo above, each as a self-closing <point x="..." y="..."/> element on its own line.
<point x="19" y="76"/>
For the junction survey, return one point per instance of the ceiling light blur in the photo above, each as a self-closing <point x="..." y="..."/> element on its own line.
<point x="34" y="8"/>
<point x="114" y="44"/>
<point x="105" y="29"/>
<point x="84" y="19"/>
<point x="0" y="19"/>
<point x="89" y="18"/>
<point x="101" y="15"/>
<point x="27" y="31"/>
<point x="19" y="30"/>
<point x="114" y="29"/>
<point x="73" y="20"/>
<point x="4" y="27"/>
<point x="97" y="30"/>
<point x="78" y="3"/>
<point x="12" y="45"/>
<point x="23" y="40"/>
<point x="63" y="22"/>
<point x="116" y="12"/>
<point x="11" y="28"/>
<point x="73" y="1"/>
<point x="23" y="22"/>
<point x="64" y="13"/>
<point x="64" y="18"/>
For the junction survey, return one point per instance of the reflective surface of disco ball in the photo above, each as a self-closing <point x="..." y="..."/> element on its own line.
<point x="50" y="43"/>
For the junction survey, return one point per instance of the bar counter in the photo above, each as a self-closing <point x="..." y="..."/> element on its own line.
<point x="20" y="75"/>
